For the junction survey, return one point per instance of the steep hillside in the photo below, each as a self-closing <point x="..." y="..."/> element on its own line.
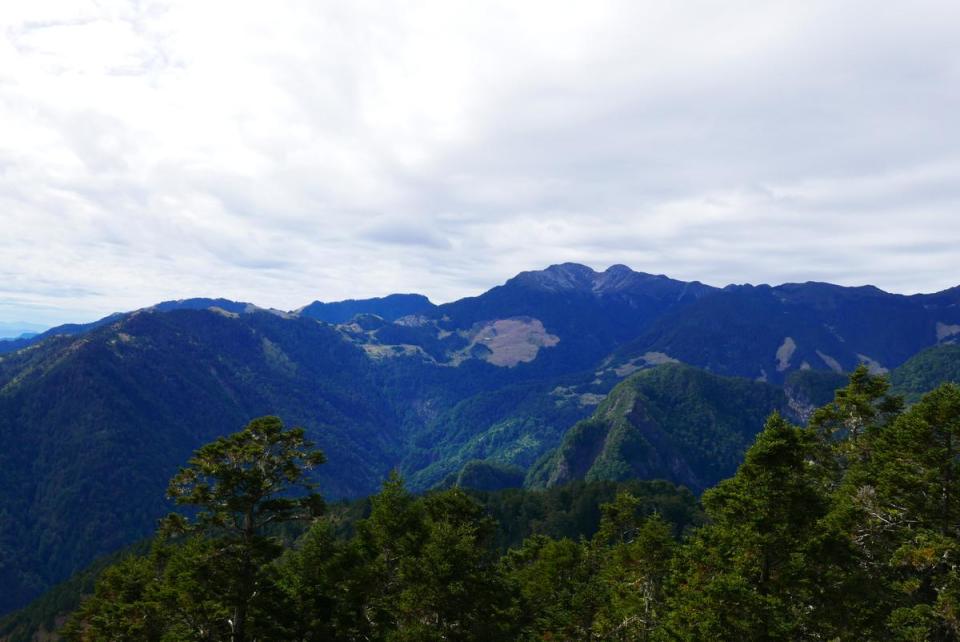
<point x="926" y="371"/>
<point x="807" y="390"/>
<point x="485" y="476"/>
<point x="672" y="422"/>
<point x="93" y="426"/>
<point x="512" y="425"/>
<point x="686" y="425"/>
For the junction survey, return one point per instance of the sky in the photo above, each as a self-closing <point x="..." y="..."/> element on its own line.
<point x="281" y="152"/>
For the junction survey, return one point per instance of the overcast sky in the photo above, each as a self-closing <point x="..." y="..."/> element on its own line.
<point x="280" y="152"/>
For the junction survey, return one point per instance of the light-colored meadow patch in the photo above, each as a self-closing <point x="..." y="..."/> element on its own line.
<point x="512" y="341"/>
<point x="946" y="331"/>
<point x="785" y="353"/>
<point x="832" y="363"/>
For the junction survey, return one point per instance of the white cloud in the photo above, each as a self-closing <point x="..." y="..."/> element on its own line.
<point x="295" y="150"/>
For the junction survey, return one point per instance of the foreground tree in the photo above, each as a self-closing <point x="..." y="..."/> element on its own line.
<point x="750" y="574"/>
<point x="241" y="484"/>
<point x="904" y="507"/>
<point x="431" y="568"/>
<point x="216" y="572"/>
<point x="633" y="577"/>
<point x="848" y="426"/>
<point x="846" y="529"/>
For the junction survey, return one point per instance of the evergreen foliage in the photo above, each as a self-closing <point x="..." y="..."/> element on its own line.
<point x="844" y="529"/>
<point x="926" y="370"/>
<point x="670" y="422"/>
<point x="485" y="475"/>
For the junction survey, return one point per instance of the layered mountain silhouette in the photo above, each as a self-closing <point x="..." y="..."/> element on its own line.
<point x="557" y="374"/>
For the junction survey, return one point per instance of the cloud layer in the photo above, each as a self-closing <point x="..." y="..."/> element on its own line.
<point x="287" y="151"/>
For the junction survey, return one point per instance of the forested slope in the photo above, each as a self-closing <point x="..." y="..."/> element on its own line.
<point x="841" y="529"/>
<point x="94" y="417"/>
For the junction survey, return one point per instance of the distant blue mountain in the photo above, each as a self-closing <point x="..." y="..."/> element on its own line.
<point x="23" y="336"/>
<point x="19" y="330"/>
<point x="65" y="329"/>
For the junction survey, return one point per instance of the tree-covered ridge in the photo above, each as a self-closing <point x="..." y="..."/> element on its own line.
<point x="570" y="511"/>
<point x="431" y="567"/>
<point x="670" y="422"/>
<point x="770" y="332"/>
<point x="94" y="418"/>
<point x="843" y="529"/>
<point x="389" y="308"/>
<point x="927" y="370"/>
<point x="513" y="425"/>
<point x="93" y="426"/>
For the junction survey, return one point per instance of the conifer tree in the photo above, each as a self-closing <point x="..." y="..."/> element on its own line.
<point x="746" y="574"/>
<point x="905" y="503"/>
<point x="241" y="485"/>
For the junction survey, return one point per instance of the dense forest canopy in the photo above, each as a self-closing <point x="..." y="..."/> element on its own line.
<point x="846" y="528"/>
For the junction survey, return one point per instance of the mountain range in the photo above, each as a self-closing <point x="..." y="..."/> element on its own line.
<point x="560" y="374"/>
<point x="19" y="330"/>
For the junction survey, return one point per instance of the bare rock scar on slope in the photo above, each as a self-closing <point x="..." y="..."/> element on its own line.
<point x="512" y="341"/>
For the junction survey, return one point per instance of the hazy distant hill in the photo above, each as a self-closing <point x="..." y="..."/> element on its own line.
<point x="68" y="329"/>
<point x="16" y="330"/>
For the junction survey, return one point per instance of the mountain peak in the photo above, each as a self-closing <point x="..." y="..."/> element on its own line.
<point x="618" y="278"/>
<point x="557" y="277"/>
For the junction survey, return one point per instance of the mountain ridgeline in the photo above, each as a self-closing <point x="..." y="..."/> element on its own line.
<point x="671" y="422"/>
<point x="556" y="375"/>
